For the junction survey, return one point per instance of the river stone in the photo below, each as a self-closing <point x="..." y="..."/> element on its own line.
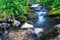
<point x="20" y="34"/>
<point x="38" y="31"/>
<point x="26" y="25"/>
<point x="35" y="5"/>
<point x="16" y="23"/>
<point x="58" y="25"/>
<point x="4" y="25"/>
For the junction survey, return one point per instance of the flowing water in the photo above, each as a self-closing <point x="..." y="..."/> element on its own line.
<point x="42" y="21"/>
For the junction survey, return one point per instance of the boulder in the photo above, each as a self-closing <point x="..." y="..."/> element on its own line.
<point x="26" y="25"/>
<point x="58" y="25"/>
<point x="21" y="35"/>
<point x="35" y="5"/>
<point x="4" y="25"/>
<point x="38" y="31"/>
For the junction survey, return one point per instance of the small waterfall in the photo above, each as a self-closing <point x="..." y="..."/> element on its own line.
<point x="41" y="16"/>
<point x="41" y="12"/>
<point x="41" y="19"/>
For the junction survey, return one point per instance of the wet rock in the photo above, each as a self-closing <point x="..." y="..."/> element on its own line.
<point x="26" y="25"/>
<point x="58" y="25"/>
<point x="21" y="35"/>
<point x="32" y="16"/>
<point x="4" y="25"/>
<point x="49" y="34"/>
<point x="35" y="5"/>
<point x="29" y="22"/>
<point x="16" y="23"/>
<point x="38" y="31"/>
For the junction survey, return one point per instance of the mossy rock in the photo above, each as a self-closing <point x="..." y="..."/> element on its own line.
<point x="54" y="12"/>
<point x="51" y="33"/>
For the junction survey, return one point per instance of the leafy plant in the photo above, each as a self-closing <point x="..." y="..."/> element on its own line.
<point x="50" y="4"/>
<point x="35" y="1"/>
<point x="53" y="4"/>
<point x="14" y="7"/>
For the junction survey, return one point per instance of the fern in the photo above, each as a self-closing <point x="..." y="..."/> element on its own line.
<point x="14" y="7"/>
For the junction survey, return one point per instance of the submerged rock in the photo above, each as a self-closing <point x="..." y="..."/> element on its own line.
<point x="26" y="25"/>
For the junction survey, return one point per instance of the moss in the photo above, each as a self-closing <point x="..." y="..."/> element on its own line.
<point x="52" y="33"/>
<point x="53" y="12"/>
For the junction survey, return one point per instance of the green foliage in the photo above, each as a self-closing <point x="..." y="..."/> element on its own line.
<point x="14" y="7"/>
<point x="35" y="1"/>
<point x="50" y="4"/>
<point x="53" y="4"/>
